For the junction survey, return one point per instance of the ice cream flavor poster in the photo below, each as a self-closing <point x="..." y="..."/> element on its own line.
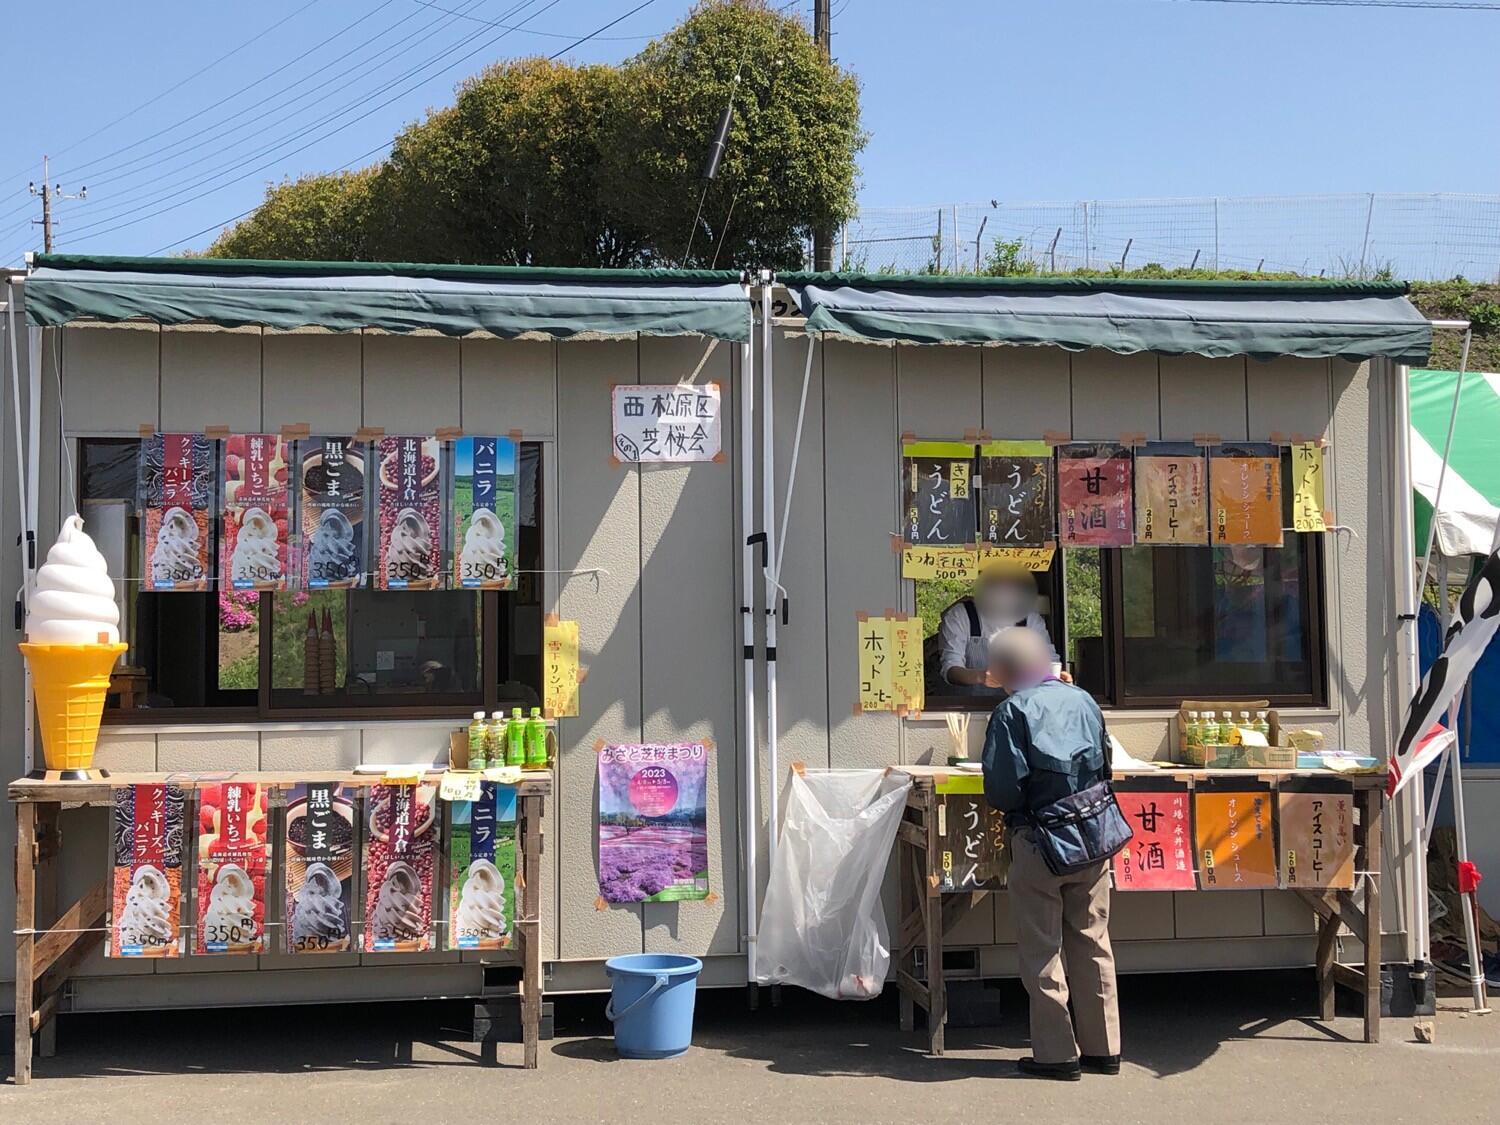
<point x="253" y="545"/>
<point x="234" y="859"/>
<point x="409" y="508"/>
<point x="319" y="868"/>
<point x="332" y="480"/>
<point x="484" y="513"/>
<point x="401" y="842"/>
<point x="482" y="860"/>
<point x="146" y="881"/>
<point x="653" y="822"/>
<point x="176" y="495"/>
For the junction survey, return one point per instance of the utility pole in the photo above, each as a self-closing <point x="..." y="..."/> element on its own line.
<point x="823" y="36"/>
<point x="49" y="191"/>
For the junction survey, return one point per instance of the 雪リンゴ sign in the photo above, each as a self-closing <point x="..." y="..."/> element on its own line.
<point x="665" y="422"/>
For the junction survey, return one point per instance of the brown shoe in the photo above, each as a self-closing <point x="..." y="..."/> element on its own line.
<point x="1061" y="1072"/>
<point x="1100" y="1064"/>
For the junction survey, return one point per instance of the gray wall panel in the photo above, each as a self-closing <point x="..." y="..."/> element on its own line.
<point x="1027" y="391"/>
<point x="210" y="378"/>
<point x="312" y="377"/>
<point x="510" y="385"/>
<point x="113" y="382"/>
<point x="411" y="383"/>
<point x="1202" y="396"/>
<point x="1113" y="394"/>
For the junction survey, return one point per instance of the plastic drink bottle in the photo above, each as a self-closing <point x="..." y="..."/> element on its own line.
<point x="515" y="739"/>
<point x="477" y="736"/>
<point x="536" y="740"/>
<point x="494" y="739"/>
<point x="1263" y="723"/>
<point x="1194" y="729"/>
<point x="1226" y="728"/>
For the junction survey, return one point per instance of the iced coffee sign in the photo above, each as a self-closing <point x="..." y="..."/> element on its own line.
<point x="666" y="422"/>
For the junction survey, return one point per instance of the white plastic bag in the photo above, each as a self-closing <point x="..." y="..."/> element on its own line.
<point x="822" y="926"/>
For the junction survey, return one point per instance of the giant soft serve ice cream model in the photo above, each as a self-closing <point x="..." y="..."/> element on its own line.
<point x="72" y="642"/>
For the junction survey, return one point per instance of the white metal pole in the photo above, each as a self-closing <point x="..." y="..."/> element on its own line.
<point x="1408" y="669"/>
<point x="1437" y="496"/>
<point x="749" y="829"/>
<point x="23" y="514"/>
<point x="33" y="478"/>
<point x="773" y="600"/>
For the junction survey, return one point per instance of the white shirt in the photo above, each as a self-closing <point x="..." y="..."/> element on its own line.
<point x="960" y="650"/>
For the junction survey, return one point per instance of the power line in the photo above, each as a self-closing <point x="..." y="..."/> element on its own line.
<point x="530" y="30"/>
<point x="597" y="31"/>
<point x="183" y="82"/>
<point x="1457" y="5"/>
<point x="285" y="155"/>
<point x="234" y="163"/>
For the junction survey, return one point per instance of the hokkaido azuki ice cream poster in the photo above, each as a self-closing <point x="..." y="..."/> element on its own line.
<point x="175" y="490"/>
<point x="401" y="852"/>
<point x="484" y="513"/>
<point x="331" y="476"/>
<point x="253" y="545"/>
<point x="145" y="914"/>
<point x="653" y="822"/>
<point x="482" y="863"/>
<point x="234" y="859"/>
<point x="409" y="507"/>
<point x="319" y="867"/>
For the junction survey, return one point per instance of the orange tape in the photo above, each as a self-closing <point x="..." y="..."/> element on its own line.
<point x="1056" y="437"/>
<point x="218" y="433"/>
<point x="448" y="433"/>
<point x="147" y="430"/>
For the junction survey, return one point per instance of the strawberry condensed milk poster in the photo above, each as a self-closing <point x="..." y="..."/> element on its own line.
<point x="653" y="822"/>
<point x="401" y="852"/>
<point x="146" y="881"/>
<point x="234" y="859"/>
<point x="409" y="507"/>
<point x="175" y="490"/>
<point x="253" y="548"/>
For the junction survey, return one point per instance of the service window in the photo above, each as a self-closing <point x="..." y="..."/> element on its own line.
<point x="312" y="653"/>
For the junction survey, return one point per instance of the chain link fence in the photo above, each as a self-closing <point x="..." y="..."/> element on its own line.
<point x="1368" y="235"/>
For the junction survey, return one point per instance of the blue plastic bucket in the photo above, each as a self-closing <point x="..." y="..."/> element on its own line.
<point x="651" y="1003"/>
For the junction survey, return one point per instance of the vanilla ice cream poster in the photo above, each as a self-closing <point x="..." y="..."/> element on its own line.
<point x="482" y="862"/>
<point x="319" y="868"/>
<point x="234" y="859"/>
<point x="145" y="915"/>
<point x="409" y="507"/>
<point x="253" y="504"/>
<point x="484" y="513"/>
<point x="401" y="852"/>
<point x="331" y="474"/>
<point x="653" y="822"/>
<point x="176" y="495"/>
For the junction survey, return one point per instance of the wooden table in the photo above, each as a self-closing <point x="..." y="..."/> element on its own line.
<point x="47" y="956"/>
<point x="927" y="913"/>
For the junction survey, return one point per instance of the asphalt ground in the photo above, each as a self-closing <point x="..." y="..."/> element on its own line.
<point x="1198" y="1048"/>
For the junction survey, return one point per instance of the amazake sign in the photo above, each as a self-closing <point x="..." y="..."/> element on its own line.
<point x="666" y="422"/>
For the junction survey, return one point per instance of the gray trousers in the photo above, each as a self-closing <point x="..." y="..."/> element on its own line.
<point x="1062" y="939"/>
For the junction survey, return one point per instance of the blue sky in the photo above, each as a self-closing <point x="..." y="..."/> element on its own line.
<point x="965" y="99"/>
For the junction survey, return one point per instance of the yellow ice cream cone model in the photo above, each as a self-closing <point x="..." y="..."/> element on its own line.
<point x="72" y="642"/>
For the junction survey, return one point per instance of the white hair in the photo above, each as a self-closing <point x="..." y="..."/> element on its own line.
<point x="1019" y="653"/>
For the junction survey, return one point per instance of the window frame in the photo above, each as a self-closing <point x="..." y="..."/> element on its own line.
<point x="264" y="710"/>
<point x="1112" y="597"/>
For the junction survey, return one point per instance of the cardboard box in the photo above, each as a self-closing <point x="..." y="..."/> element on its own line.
<point x="1227" y="757"/>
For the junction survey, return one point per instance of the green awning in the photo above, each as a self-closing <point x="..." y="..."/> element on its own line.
<point x="395" y="297"/>
<point x="1471" y="489"/>
<point x="1265" y="319"/>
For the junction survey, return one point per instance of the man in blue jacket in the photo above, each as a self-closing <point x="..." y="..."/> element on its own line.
<point x="1046" y="742"/>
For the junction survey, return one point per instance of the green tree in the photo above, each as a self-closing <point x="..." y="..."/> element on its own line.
<point x="545" y="163"/>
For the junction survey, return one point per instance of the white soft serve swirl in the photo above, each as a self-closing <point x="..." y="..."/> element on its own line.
<point x="74" y="599"/>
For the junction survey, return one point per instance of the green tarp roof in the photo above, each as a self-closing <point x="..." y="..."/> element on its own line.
<point x="1264" y="319"/>
<point x="1471" y="489"/>
<point x="395" y="297"/>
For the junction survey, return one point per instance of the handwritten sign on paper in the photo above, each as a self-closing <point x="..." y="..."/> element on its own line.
<point x="1171" y="495"/>
<point x="957" y="564"/>
<point x="560" y="668"/>
<point x="937" y="498"/>
<point x="908" y="684"/>
<point x="1015" y="559"/>
<point x="1018" y="507"/>
<point x="658" y="422"/>
<point x="1235" y="839"/>
<point x="1094" y="502"/>
<point x="877" y="690"/>
<point x="1317" y="836"/>
<point x="1244" y="484"/>
<point x="1160" y="855"/>
<point x="1307" y="499"/>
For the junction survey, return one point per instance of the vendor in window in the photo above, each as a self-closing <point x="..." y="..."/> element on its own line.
<point x="1001" y="600"/>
